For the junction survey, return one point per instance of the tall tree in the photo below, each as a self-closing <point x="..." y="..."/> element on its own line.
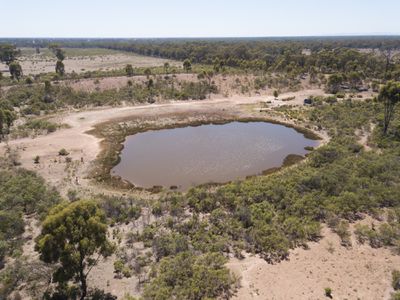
<point x="166" y="68"/>
<point x="390" y="97"/>
<point x="2" y="122"/>
<point x="147" y="72"/>
<point x="15" y="70"/>
<point x="129" y="70"/>
<point x="71" y="235"/>
<point x="334" y="82"/>
<point x="187" y="65"/>
<point x="354" y="79"/>
<point x="8" y="53"/>
<point x="59" y="53"/>
<point x="7" y="117"/>
<point x="60" y="68"/>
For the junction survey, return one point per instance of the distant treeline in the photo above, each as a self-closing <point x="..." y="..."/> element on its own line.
<point x="297" y="55"/>
<point x="314" y="43"/>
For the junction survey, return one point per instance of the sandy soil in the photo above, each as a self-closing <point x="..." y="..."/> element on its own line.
<point x="102" y="275"/>
<point x="360" y="272"/>
<point x="227" y="85"/>
<point x="43" y="63"/>
<point x="364" y="136"/>
<point x="84" y="148"/>
<point x="116" y="82"/>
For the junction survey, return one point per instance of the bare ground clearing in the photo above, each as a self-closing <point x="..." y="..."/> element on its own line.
<point x="80" y="61"/>
<point x="360" y="272"/>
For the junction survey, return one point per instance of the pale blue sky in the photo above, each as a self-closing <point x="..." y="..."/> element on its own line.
<point x="201" y="18"/>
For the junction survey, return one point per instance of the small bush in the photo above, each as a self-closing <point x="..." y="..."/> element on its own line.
<point x="340" y="95"/>
<point x="396" y="280"/>
<point x="328" y="292"/>
<point x="342" y="230"/>
<point x="63" y="152"/>
<point x="395" y="296"/>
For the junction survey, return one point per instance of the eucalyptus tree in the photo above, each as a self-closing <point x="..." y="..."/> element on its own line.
<point x="74" y="237"/>
<point x="390" y="97"/>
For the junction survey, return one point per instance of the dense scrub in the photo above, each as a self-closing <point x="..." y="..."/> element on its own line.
<point x="187" y="276"/>
<point x="22" y="194"/>
<point x="271" y="53"/>
<point x="24" y="191"/>
<point x="325" y="55"/>
<point x="32" y="100"/>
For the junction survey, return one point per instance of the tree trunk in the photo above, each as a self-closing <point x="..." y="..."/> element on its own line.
<point x="385" y="128"/>
<point x="82" y="278"/>
<point x="83" y="285"/>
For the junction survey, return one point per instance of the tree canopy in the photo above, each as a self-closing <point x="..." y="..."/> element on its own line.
<point x="390" y="96"/>
<point x="191" y="277"/>
<point x="15" y="70"/>
<point x="8" y="53"/>
<point x="71" y="234"/>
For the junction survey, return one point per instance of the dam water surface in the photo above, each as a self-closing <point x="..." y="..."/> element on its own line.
<point x="190" y="156"/>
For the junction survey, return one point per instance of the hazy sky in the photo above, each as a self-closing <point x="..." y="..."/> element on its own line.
<point x="200" y="18"/>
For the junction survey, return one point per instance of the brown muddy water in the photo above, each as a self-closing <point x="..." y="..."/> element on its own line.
<point x="190" y="156"/>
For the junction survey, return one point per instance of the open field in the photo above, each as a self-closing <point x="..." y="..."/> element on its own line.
<point x="82" y="60"/>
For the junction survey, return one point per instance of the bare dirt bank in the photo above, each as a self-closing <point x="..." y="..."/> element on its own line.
<point x="360" y="272"/>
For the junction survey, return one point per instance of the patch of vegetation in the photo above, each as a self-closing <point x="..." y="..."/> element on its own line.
<point x="22" y="193"/>
<point x="396" y="280"/>
<point x="386" y="234"/>
<point x="34" y="127"/>
<point x="72" y="236"/>
<point x="25" y="101"/>
<point x="188" y="276"/>
<point x="328" y="292"/>
<point x="63" y="152"/>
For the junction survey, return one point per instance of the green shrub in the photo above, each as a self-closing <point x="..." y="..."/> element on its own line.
<point x="328" y="292"/>
<point x="342" y="229"/>
<point x="191" y="277"/>
<point x="396" y="280"/>
<point x="340" y="95"/>
<point x="63" y="152"/>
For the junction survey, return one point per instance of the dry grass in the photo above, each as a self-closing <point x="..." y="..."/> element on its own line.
<point x="82" y="60"/>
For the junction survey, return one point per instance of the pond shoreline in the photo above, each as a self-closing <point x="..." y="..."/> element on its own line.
<point x="114" y="133"/>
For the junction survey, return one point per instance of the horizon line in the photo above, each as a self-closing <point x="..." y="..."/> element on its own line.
<point x="209" y="37"/>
